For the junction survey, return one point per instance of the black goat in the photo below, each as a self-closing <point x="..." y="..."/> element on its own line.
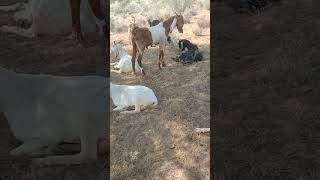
<point x="189" y="52"/>
<point x="253" y="6"/>
<point x="153" y="23"/>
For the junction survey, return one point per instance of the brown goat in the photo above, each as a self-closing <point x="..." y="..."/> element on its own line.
<point x="147" y="36"/>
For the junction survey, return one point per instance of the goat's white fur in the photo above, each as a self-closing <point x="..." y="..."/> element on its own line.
<point x="158" y="33"/>
<point x="124" y="96"/>
<point x="45" y="110"/>
<point x="45" y="19"/>
<point x="124" y="65"/>
<point x="202" y="130"/>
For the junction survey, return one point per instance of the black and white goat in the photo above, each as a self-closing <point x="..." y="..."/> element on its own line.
<point x="189" y="52"/>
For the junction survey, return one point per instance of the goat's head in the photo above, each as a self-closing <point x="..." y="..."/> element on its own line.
<point x="116" y="47"/>
<point x="180" y="23"/>
<point x="117" y="44"/>
<point x="133" y="20"/>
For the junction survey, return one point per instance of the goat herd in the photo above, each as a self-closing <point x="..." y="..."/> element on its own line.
<point x="140" y="38"/>
<point x="44" y="110"/>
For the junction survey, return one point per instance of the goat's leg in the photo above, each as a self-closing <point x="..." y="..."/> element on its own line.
<point x="27" y="147"/>
<point x="119" y="108"/>
<point x="137" y="109"/>
<point x="140" y="63"/>
<point x="88" y="152"/>
<point x="162" y="59"/>
<point x="162" y="55"/>
<point x="129" y="36"/>
<point x="133" y="59"/>
<point x="76" y="26"/>
<point x="116" y="71"/>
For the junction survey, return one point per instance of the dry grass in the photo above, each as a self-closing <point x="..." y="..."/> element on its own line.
<point x="161" y="143"/>
<point x="197" y="30"/>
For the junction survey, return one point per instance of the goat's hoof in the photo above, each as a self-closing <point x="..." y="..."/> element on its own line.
<point x="143" y="73"/>
<point x="164" y="65"/>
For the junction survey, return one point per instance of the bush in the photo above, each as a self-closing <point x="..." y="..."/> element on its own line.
<point x="121" y="9"/>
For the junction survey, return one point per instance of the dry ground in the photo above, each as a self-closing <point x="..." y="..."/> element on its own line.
<point x="266" y="92"/>
<point x="51" y="55"/>
<point x="161" y="143"/>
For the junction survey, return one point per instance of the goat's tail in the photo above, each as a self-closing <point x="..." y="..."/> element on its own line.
<point x="133" y="33"/>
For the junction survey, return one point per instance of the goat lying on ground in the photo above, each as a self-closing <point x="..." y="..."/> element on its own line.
<point x="185" y="45"/>
<point x="124" y="96"/>
<point x="124" y="64"/>
<point x="154" y="22"/>
<point x="44" y="19"/>
<point x="189" y="52"/>
<point x="144" y="37"/>
<point x="46" y="110"/>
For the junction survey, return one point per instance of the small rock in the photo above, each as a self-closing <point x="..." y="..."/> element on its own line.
<point x="173" y="146"/>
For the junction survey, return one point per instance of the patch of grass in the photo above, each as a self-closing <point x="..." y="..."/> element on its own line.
<point x="197" y="31"/>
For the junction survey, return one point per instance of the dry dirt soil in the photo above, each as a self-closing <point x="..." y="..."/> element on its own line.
<point x="54" y="55"/>
<point x="266" y="92"/>
<point x="161" y="143"/>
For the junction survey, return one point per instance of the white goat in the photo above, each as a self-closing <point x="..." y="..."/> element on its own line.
<point x="124" y="96"/>
<point x="45" y="110"/>
<point x="50" y="17"/>
<point x="124" y="65"/>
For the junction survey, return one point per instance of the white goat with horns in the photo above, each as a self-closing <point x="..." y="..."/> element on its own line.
<point x="124" y="96"/>
<point x="124" y="65"/>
